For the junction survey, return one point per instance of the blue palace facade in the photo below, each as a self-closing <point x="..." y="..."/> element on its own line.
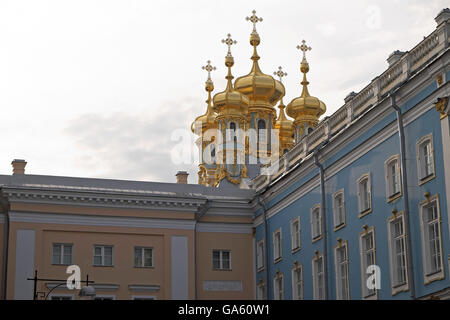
<point x="359" y="207"/>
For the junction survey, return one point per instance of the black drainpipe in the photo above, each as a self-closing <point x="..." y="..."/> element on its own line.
<point x="5" y="248"/>
<point x="409" y="253"/>
<point x="324" y="219"/>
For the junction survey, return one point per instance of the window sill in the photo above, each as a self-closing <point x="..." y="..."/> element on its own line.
<point x="339" y="227"/>
<point x="438" y="275"/>
<point x="97" y="265"/>
<point x="426" y="179"/>
<point x="152" y="267"/>
<point x="277" y="260"/>
<point x="394" y="197"/>
<point x="61" y="264"/>
<point x="364" y="213"/>
<point x="214" y="269"/>
<point x="260" y="269"/>
<point x="317" y="238"/>
<point x="295" y="250"/>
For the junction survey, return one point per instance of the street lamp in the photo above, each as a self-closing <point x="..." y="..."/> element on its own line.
<point x="87" y="293"/>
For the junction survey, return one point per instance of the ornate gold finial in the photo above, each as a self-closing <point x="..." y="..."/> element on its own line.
<point x="303" y="47"/>
<point x="229" y="42"/>
<point x="254" y="19"/>
<point x="209" y="68"/>
<point x="280" y="73"/>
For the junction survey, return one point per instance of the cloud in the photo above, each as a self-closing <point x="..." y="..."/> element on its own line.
<point x="134" y="145"/>
<point x="327" y="29"/>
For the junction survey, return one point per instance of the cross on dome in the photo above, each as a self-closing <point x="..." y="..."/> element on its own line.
<point x="303" y="47"/>
<point x="229" y="42"/>
<point x="254" y="19"/>
<point x="280" y="73"/>
<point x="209" y="68"/>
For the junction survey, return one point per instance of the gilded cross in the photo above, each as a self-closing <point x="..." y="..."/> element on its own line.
<point x="208" y="68"/>
<point x="280" y="73"/>
<point x="229" y="42"/>
<point x="254" y="19"/>
<point x="303" y="47"/>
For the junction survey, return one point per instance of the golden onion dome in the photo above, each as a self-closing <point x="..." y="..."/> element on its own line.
<point x="283" y="124"/>
<point x="261" y="89"/>
<point x="305" y="108"/>
<point x="207" y="120"/>
<point x="230" y="101"/>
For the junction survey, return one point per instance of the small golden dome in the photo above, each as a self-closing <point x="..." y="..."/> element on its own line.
<point x="207" y="120"/>
<point x="306" y="109"/>
<point x="284" y="125"/>
<point x="230" y="101"/>
<point x="261" y="89"/>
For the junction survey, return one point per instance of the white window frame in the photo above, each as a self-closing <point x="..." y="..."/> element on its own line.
<point x="142" y="250"/>
<point x="296" y="242"/>
<point x="428" y="275"/>
<point x="277" y="247"/>
<point x="260" y="254"/>
<point x="365" y="292"/>
<point x="343" y="245"/>
<point x="221" y="260"/>
<point x="295" y="284"/>
<point x="315" y="237"/>
<point x="315" y="277"/>
<point x="362" y="210"/>
<point x="103" y="246"/>
<point x="397" y="288"/>
<point x="420" y="161"/>
<point x="61" y="253"/>
<point x="392" y="194"/>
<point x="280" y="290"/>
<point x="337" y="223"/>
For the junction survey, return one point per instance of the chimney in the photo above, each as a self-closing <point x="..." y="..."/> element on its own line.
<point x="182" y="177"/>
<point x="18" y="166"/>
<point x="442" y="16"/>
<point x="394" y="57"/>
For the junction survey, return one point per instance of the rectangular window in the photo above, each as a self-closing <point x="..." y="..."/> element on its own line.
<point x="103" y="255"/>
<point x="278" y="290"/>
<point x="222" y="259"/>
<point x="364" y="194"/>
<point x="367" y="251"/>
<point x="62" y="253"/>
<point x="341" y="269"/>
<point x="393" y="182"/>
<point x="316" y="222"/>
<point x="431" y="240"/>
<point x="425" y="159"/>
<point x="277" y="245"/>
<point x="318" y="278"/>
<point x="339" y="209"/>
<point x="295" y="234"/>
<point x="397" y="253"/>
<point x="297" y="283"/>
<point x="260" y="254"/>
<point x="143" y="257"/>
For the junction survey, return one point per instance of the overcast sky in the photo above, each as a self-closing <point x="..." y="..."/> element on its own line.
<point x="101" y="88"/>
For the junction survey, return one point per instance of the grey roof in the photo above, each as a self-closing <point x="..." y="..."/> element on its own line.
<point x="122" y="186"/>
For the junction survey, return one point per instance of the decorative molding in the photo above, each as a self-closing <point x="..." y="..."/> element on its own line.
<point x="222" y="285"/>
<point x="225" y="227"/>
<point x="104" y="221"/>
